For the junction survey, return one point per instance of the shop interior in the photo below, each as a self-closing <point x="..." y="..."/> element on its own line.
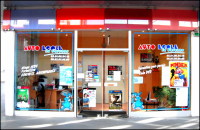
<point x="102" y="76"/>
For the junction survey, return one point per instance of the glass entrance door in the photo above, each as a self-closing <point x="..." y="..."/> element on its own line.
<point x="102" y="84"/>
<point x="115" y="84"/>
<point x="89" y="84"/>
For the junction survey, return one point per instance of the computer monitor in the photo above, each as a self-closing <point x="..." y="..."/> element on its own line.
<point x="56" y="83"/>
<point x="149" y="96"/>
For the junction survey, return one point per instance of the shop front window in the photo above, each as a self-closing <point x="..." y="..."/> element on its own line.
<point x="161" y="71"/>
<point x="44" y="71"/>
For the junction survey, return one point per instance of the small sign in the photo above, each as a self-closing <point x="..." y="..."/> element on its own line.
<point x="146" y="57"/>
<point x="196" y="34"/>
<point x="111" y="69"/>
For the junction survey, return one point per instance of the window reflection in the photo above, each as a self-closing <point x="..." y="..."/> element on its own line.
<point x="162" y="22"/>
<point x="6" y="22"/>
<point x="115" y="21"/>
<point x="47" y="21"/>
<point x="185" y="23"/>
<point x="194" y="24"/>
<point x="19" y="23"/>
<point x="70" y="22"/>
<point x="143" y="22"/>
<point x="94" y="22"/>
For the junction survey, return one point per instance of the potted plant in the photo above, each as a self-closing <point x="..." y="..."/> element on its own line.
<point x="165" y="95"/>
<point x="23" y="80"/>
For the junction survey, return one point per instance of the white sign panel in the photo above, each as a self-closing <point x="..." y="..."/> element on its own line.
<point x="181" y="96"/>
<point x="165" y="76"/>
<point x="117" y="76"/>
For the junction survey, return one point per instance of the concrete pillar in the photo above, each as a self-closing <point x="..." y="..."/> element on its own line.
<point x="194" y="75"/>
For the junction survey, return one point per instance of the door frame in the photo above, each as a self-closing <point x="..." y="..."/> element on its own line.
<point x="102" y="49"/>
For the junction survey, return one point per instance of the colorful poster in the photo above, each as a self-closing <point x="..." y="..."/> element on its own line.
<point x="96" y="78"/>
<point x="179" y="73"/>
<point x="89" y="97"/>
<point x="92" y="68"/>
<point x="114" y="68"/>
<point x="115" y="100"/>
<point x="23" y="96"/>
<point x="65" y="75"/>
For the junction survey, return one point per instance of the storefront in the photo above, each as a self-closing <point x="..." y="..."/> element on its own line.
<point x="114" y="62"/>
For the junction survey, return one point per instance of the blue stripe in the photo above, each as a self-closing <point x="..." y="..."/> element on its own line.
<point x="72" y="63"/>
<point x="189" y="72"/>
<point x="16" y="73"/>
<point x="133" y="63"/>
<point x="189" y="67"/>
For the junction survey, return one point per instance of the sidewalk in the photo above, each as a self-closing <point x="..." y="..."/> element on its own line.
<point x="20" y="122"/>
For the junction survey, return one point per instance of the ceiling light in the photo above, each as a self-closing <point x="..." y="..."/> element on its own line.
<point x="104" y="35"/>
<point x="142" y="31"/>
<point x="138" y="35"/>
<point x="66" y="34"/>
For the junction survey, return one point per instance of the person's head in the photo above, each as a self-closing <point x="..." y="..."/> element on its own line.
<point x="24" y="96"/>
<point x="85" y="95"/>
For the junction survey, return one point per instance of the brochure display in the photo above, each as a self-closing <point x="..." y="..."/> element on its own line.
<point x="115" y="100"/>
<point x="179" y="72"/>
<point x="65" y="75"/>
<point x="89" y="97"/>
<point x="23" y="96"/>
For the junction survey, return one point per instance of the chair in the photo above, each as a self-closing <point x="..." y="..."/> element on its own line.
<point x="79" y="98"/>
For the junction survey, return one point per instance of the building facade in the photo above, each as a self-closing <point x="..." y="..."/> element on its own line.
<point x="96" y="60"/>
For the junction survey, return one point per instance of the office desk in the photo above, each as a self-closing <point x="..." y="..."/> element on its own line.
<point x="52" y="97"/>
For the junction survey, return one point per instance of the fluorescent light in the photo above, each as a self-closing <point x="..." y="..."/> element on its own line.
<point x="115" y="21"/>
<point x="143" y="22"/>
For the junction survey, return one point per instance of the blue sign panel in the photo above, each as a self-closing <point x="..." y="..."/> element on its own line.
<point x="65" y="75"/>
<point x="33" y="19"/>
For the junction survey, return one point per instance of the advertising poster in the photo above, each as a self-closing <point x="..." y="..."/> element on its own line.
<point x="96" y="78"/>
<point x="92" y="68"/>
<point x="23" y="96"/>
<point x="65" y="75"/>
<point x="109" y="78"/>
<point x="114" y="68"/>
<point x="115" y="100"/>
<point x="179" y="73"/>
<point x="146" y="57"/>
<point x="138" y="80"/>
<point x="89" y="97"/>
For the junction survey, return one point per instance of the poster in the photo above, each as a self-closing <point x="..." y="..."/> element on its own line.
<point x="92" y="68"/>
<point x="115" y="100"/>
<point x="56" y="67"/>
<point x="23" y="96"/>
<point x="89" y="97"/>
<point x="109" y="78"/>
<point x="96" y="78"/>
<point x="146" y="57"/>
<point x="179" y="73"/>
<point x="138" y="80"/>
<point x="114" y="68"/>
<point x="65" y="75"/>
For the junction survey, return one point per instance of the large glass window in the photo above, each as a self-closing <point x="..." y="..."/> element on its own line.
<point x="161" y="71"/>
<point x="44" y="71"/>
